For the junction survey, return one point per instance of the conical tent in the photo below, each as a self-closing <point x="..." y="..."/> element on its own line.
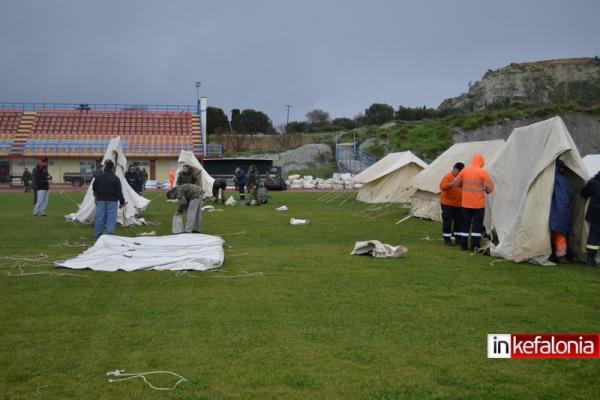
<point x="389" y="179"/>
<point x="592" y="164"/>
<point x="188" y="158"/>
<point x="136" y="204"/>
<point x="425" y="202"/>
<point x="518" y="210"/>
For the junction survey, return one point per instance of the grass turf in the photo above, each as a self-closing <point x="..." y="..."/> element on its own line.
<point x="318" y="324"/>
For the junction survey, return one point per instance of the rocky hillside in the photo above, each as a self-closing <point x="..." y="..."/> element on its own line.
<point x="532" y="84"/>
<point x="584" y="128"/>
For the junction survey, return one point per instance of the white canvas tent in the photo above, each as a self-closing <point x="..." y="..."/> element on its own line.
<point x="425" y="202"/>
<point x="592" y="164"/>
<point x="186" y="251"/>
<point x="188" y="158"/>
<point x="389" y="179"/>
<point x="523" y="171"/>
<point x="136" y="204"/>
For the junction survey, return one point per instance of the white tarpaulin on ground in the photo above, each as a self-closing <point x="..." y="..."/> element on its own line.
<point x="425" y="202"/>
<point x="136" y="204"/>
<point x="188" y="158"/>
<point x="378" y="250"/>
<point x="389" y="179"/>
<point x="186" y="251"/>
<point x="592" y="164"/>
<point x="523" y="172"/>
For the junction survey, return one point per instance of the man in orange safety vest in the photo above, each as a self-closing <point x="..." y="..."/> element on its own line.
<point x="475" y="183"/>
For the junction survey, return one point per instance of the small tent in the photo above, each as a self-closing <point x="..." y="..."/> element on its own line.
<point x="136" y="204"/>
<point x="425" y="202"/>
<point x="188" y="158"/>
<point x="518" y="210"/>
<point x="389" y="179"/>
<point x="592" y="164"/>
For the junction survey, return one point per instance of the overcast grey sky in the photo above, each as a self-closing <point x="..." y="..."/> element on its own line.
<point x="339" y="56"/>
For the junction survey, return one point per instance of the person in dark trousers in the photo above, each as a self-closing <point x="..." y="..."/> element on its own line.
<point x="33" y="185"/>
<point x="41" y="178"/>
<point x="561" y="212"/>
<point x="218" y="190"/>
<point x="450" y="200"/>
<point x="253" y="184"/>
<point x="26" y="180"/>
<point x="592" y="191"/>
<point x="239" y="180"/>
<point x="134" y="179"/>
<point x="189" y="200"/>
<point x="108" y="193"/>
<point x="476" y="184"/>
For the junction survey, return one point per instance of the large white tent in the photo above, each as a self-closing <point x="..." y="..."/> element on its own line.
<point x="389" y="179"/>
<point x="136" y="204"/>
<point x="425" y="202"/>
<point x="188" y="158"/>
<point x="523" y="171"/>
<point x="592" y="164"/>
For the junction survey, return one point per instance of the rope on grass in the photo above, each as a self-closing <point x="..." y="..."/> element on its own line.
<point x="329" y="200"/>
<point x="51" y="273"/>
<point x="430" y="238"/>
<point x="231" y="234"/>
<point x="324" y="196"/>
<point x="404" y="219"/>
<point x="82" y="242"/>
<point x="497" y="260"/>
<point x="347" y="198"/>
<point x="62" y="193"/>
<point x="142" y="375"/>
<point x="243" y="274"/>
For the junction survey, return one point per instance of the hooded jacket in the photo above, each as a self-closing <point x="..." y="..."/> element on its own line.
<point x="450" y="195"/>
<point x="475" y="183"/>
<point x="561" y="208"/>
<point x="591" y="190"/>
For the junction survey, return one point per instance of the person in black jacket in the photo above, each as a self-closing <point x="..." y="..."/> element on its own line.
<point x="41" y="178"/>
<point x="592" y="191"/>
<point x="134" y="179"/>
<point x="107" y="192"/>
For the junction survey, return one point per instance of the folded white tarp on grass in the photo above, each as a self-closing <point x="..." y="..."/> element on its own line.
<point x="377" y="249"/>
<point x="186" y="251"/>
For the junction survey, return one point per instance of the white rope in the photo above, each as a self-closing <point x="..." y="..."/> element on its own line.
<point x="404" y="219"/>
<point x="347" y="198"/>
<point x="51" y="273"/>
<point x="231" y="234"/>
<point x="497" y="260"/>
<point x="429" y="238"/>
<point x="142" y="375"/>
<point x="243" y="275"/>
<point x="69" y="197"/>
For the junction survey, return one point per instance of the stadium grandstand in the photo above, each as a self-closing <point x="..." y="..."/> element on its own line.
<point x="73" y="137"/>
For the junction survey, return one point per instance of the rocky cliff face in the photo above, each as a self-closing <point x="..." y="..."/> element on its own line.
<point x="584" y="128"/>
<point x="533" y="84"/>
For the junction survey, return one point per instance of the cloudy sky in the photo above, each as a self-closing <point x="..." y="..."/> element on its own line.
<point x="339" y="56"/>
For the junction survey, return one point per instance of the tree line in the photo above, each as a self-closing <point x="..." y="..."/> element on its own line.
<point x="252" y="122"/>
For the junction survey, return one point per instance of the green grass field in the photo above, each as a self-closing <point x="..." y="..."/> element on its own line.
<point x="319" y="324"/>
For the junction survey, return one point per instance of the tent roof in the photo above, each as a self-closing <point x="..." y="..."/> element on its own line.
<point x="387" y="165"/>
<point x="592" y="163"/>
<point x="429" y="179"/>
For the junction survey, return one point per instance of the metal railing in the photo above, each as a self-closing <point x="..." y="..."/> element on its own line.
<point x="98" y="107"/>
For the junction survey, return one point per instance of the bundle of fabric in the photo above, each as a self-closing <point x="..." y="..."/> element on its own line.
<point x="186" y="251"/>
<point x="378" y="250"/>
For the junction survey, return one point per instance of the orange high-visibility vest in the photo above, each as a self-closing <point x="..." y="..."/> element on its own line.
<point x="172" y="177"/>
<point x="475" y="183"/>
<point x="450" y="195"/>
